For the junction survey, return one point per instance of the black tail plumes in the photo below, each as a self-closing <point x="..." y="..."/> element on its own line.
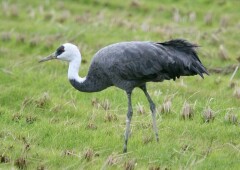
<point x="186" y="52"/>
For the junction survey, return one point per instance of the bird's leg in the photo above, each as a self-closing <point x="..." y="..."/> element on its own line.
<point x="128" y="121"/>
<point x="153" y="110"/>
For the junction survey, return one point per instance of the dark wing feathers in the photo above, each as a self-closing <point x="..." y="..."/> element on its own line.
<point x="186" y="51"/>
<point x="158" y="61"/>
<point x="150" y="61"/>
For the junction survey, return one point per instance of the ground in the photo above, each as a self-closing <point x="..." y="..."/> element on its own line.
<point x="46" y="124"/>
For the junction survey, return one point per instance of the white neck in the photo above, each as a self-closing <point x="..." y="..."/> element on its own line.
<point x="73" y="69"/>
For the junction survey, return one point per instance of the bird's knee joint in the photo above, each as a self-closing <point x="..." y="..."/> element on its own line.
<point x="153" y="107"/>
<point x="129" y="115"/>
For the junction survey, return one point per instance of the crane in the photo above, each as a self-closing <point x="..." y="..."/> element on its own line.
<point x="127" y="65"/>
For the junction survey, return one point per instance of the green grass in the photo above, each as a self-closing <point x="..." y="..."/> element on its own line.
<point x="46" y="124"/>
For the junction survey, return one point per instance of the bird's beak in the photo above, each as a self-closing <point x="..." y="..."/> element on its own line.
<point x="50" y="57"/>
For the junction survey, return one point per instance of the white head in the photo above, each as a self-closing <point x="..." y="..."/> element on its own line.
<point x="66" y="52"/>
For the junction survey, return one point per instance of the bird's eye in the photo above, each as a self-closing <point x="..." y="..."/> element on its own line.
<point x="60" y="50"/>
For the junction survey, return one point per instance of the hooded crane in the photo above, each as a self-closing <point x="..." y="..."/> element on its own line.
<point x="127" y="65"/>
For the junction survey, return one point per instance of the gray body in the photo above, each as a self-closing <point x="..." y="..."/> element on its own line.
<point x="131" y="64"/>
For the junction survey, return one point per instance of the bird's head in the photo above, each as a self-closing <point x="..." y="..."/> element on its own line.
<point x="66" y="52"/>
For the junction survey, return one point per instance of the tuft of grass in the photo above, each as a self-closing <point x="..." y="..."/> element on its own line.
<point x="6" y="36"/>
<point x="31" y="119"/>
<point x="223" y="54"/>
<point x="232" y="84"/>
<point x="237" y="93"/>
<point x="176" y="15"/>
<point x="166" y="106"/>
<point x="96" y="103"/>
<point x="68" y="152"/>
<point x="215" y="40"/>
<point x="21" y="163"/>
<point x="208" y="18"/>
<point x="130" y="164"/>
<point x="16" y="117"/>
<point x="224" y="21"/>
<point x="34" y="41"/>
<point x="21" y="38"/>
<point x="140" y="109"/>
<point x="192" y="16"/>
<point x="91" y="125"/>
<point x="135" y="4"/>
<point x="231" y="118"/>
<point x="147" y="139"/>
<point x="208" y="115"/>
<point x="155" y="168"/>
<point x="187" y="111"/>
<point x="112" y="160"/>
<point x="110" y="117"/>
<point x="48" y="16"/>
<point x="43" y="100"/>
<point x="4" y="158"/>
<point x="105" y="104"/>
<point x="14" y="11"/>
<point x="88" y="154"/>
<point x="64" y="16"/>
<point x="41" y="167"/>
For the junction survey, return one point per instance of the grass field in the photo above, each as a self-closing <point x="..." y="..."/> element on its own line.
<point x="46" y="124"/>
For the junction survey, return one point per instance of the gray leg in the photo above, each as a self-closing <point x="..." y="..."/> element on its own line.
<point x="128" y="121"/>
<point x="153" y="109"/>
